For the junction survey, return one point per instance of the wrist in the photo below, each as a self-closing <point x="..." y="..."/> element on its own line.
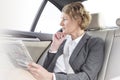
<point x="52" y="51"/>
<point x="53" y="47"/>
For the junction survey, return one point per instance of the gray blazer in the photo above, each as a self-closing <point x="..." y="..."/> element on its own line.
<point x="86" y="59"/>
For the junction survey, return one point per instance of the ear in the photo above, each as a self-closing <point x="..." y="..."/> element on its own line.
<point x="79" y="20"/>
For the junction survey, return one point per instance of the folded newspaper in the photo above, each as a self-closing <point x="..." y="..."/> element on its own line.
<point x="18" y="53"/>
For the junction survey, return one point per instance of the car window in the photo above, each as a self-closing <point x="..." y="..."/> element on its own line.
<point x="18" y="14"/>
<point x="49" y="20"/>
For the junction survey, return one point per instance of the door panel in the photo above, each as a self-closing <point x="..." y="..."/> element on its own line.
<point x="36" y="48"/>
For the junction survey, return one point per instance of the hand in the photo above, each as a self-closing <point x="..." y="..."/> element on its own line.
<point x="39" y="72"/>
<point x="58" y="38"/>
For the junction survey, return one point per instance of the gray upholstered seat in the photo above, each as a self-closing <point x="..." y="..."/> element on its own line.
<point x="111" y="65"/>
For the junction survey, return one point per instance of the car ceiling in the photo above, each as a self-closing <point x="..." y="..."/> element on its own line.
<point x="60" y="3"/>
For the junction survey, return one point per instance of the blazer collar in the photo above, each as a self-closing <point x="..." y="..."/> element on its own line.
<point x="79" y="46"/>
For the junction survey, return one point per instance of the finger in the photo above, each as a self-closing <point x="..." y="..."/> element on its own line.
<point x="36" y="75"/>
<point x="34" y="70"/>
<point x="56" y="36"/>
<point x="34" y="65"/>
<point x="64" y="34"/>
<point x="59" y="35"/>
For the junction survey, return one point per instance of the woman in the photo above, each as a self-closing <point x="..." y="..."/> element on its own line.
<point x="73" y="55"/>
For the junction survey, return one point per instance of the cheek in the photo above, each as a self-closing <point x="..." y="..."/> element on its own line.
<point x="68" y="29"/>
<point x="68" y="26"/>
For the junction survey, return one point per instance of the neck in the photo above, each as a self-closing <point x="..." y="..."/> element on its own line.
<point x="76" y="35"/>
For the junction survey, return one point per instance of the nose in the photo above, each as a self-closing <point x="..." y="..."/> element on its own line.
<point x="61" y="23"/>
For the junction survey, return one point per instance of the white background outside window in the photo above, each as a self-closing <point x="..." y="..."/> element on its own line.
<point x="20" y="14"/>
<point x="49" y="21"/>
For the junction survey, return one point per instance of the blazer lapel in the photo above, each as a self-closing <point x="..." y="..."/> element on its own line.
<point x="78" y="47"/>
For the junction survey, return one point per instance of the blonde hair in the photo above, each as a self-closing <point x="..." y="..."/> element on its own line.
<point x="76" y="10"/>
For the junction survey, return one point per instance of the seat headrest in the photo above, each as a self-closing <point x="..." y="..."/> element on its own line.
<point x="97" y="22"/>
<point x="118" y="22"/>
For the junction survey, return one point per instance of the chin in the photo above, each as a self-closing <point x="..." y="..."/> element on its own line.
<point x="64" y="32"/>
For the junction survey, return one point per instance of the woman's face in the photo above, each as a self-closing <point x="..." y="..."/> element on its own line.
<point x="69" y="25"/>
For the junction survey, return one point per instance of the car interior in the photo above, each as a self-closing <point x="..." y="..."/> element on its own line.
<point x="38" y="43"/>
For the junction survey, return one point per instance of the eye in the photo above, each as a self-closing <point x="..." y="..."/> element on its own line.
<point x="64" y="19"/>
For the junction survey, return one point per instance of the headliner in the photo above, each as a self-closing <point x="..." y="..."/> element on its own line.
<point x="60" y="3"/>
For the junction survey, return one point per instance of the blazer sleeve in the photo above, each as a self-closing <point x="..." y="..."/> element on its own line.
<point x="50" y="56"/>
<point x="91" y="67"/>
<point x="48" y="59"/>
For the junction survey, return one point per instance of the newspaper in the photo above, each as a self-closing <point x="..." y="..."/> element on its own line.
<point x="18" y="53"/>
